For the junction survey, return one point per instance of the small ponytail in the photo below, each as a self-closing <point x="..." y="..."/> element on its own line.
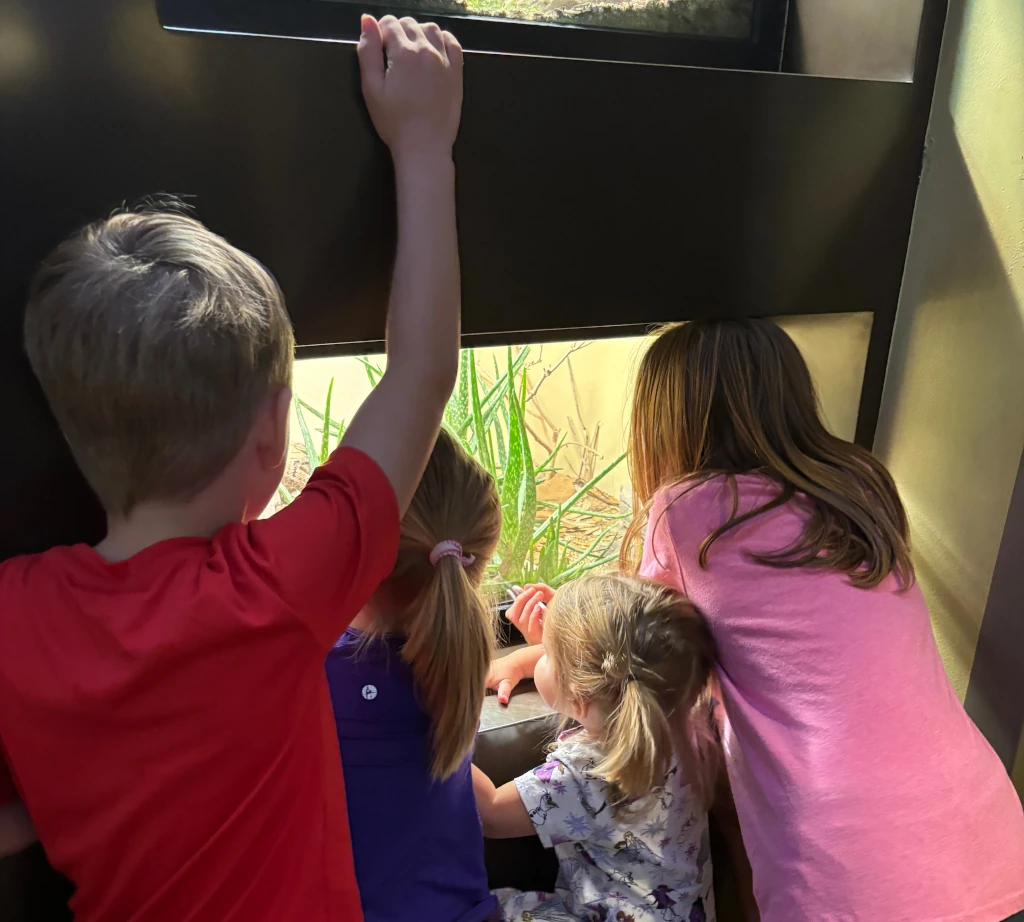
<point x="447" y="621"/>
<point x="638" y="743"/>
<point x="642" y="653"/>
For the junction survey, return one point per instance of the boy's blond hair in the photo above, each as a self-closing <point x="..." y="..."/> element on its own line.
<point x="155" y="341"/>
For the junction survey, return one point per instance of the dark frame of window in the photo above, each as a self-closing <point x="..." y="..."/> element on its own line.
<point x="338" y="20"/>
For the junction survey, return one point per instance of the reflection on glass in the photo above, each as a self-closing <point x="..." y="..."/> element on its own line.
<point x="709" y="18"/>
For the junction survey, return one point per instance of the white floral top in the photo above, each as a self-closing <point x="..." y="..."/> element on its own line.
<point x="651" y="862"/>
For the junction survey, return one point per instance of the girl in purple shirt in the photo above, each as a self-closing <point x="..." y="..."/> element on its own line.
<point x="407" y="684"/>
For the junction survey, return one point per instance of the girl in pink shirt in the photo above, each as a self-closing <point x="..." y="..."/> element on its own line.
<point x="863" y="789"/>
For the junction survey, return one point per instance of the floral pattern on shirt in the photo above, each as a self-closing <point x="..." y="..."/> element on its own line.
<point x="649" y="863"/>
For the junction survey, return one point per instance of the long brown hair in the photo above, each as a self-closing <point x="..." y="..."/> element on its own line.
<point x="727" y="397"/>
<point x="643" y="653"/>
<point x="447" y="621"/>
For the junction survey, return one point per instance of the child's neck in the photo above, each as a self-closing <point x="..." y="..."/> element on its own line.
<point x="592" y="723"/>
<point x="363" y="621"/>
<point x="378" y="613"/>
<point x="591" y="717"/>
<point x="152" y="522"/>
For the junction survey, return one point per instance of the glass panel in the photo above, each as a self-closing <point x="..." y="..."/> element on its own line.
<point x="706" y="18"/>
<point x="576" y="397"/>
<point x="743" y="34"/>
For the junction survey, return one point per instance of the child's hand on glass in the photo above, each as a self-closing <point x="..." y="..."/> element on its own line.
<point x="527" y="611"/>
<point x="503" y="675"/>
<point x="415" y="95"/>
<point x="506" y="672"/>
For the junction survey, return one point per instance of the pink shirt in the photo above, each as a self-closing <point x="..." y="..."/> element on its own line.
<point x="864" y="791"/>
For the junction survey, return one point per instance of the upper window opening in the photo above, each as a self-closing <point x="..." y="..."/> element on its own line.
<point x="747" y="34"/>
<point x="552" y="416"/>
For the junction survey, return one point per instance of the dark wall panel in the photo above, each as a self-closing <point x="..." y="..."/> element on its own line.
<point x="589" y="193"/>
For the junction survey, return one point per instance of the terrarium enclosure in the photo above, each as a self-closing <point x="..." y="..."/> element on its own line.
<point x="549" y="421"/>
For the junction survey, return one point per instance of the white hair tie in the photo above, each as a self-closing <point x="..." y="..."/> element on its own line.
<point x="450" y="549"/>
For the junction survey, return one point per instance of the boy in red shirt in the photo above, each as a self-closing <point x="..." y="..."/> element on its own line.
<point x="163" y="709"/>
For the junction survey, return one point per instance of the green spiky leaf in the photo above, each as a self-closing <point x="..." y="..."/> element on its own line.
<point x="480" y="432"/>
<point x="307" y="440"/>
<point x="512" y="480"/>
<point x="373" y="370"/>
<point x="526" y="500"/>
<point x="325" y="442"/>
<point x="575" y="498"/>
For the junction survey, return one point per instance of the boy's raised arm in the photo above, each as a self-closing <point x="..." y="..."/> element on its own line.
<point x="328" y="551"/>
<point x="415" y="100"/>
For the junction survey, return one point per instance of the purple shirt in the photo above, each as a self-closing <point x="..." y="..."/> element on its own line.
<point x="419" y="848"/>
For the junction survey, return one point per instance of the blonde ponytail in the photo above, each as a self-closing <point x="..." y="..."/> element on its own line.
<point x="641" y="653"/>
<point x="448" y="623"/>
<point x="638" y="743"/>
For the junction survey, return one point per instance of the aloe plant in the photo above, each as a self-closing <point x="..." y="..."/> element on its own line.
<point x="519" y="484"/>
<point x="531" y="547"/>
<point x="330" y="431"/>
<point x="490" y="420"/>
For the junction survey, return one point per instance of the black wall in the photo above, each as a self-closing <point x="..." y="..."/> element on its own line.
<point x="589" y="194"/>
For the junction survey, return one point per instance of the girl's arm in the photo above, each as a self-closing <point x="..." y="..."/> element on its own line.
<point x="506" y="672"/>
<point x="501" y="810"/>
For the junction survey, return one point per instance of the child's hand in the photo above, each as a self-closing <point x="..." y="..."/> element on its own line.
<point x="415" y="100"/>
<point x="503" y="676"/>
<point x="527" y="611"/>
<point x="415" y="103"/>
<point x="506" y="672"/>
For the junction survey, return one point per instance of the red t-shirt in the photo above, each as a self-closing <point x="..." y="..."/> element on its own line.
<point x="166" y="718"/>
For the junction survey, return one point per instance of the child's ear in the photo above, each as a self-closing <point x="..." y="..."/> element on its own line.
<point x="580" y="707"/>
<point x="272" y="438"/>
<point x="284" y="408"/>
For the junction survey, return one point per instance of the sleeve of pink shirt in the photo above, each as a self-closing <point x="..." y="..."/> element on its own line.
<point x="660" y="561"/>
<point x="681" y="518"/>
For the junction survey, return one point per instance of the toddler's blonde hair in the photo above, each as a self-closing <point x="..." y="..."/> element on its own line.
<point x="155" y="342"/>
<point x="643" y="654"/>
